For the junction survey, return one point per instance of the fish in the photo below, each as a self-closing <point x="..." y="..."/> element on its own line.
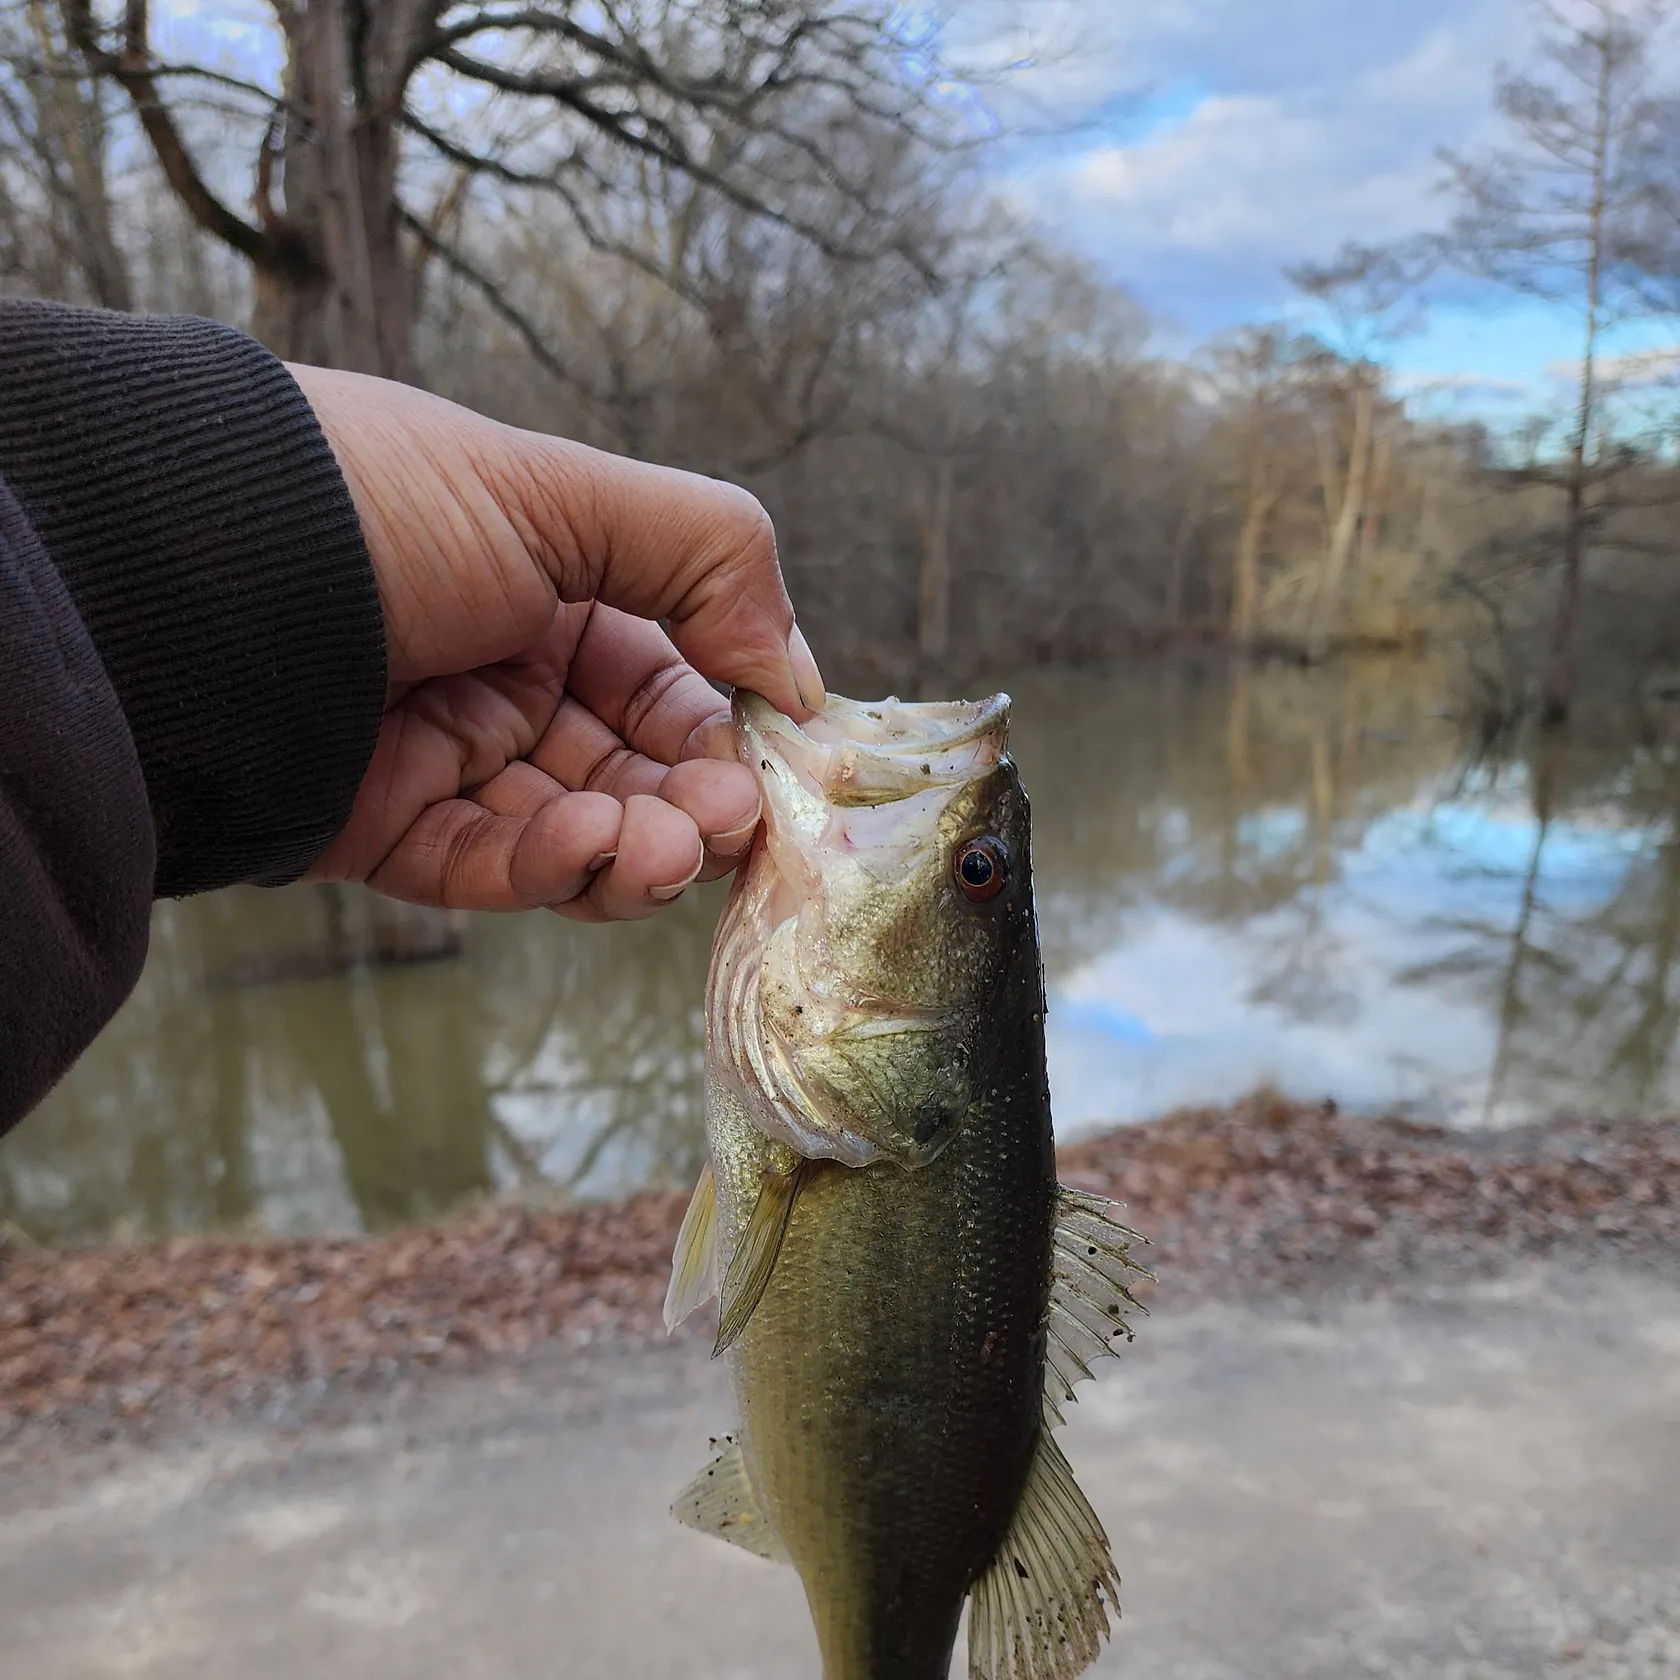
<point x="906" y="1295"/>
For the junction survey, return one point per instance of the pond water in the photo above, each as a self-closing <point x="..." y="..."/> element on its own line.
<point x="1248" y="877"/>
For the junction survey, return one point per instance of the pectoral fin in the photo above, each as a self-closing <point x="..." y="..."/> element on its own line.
<point x="755" y="1255"/>
<point x="1040" y="1612"/>
<point x="720" y="1501"/>
<point x="1089" y="1297"/>
<point x="694" y="1262"/>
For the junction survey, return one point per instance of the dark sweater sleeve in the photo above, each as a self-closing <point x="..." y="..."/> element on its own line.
<point x="185" y="494"/>
<point x="192" y="657"/>
<point x="76" y="854"/>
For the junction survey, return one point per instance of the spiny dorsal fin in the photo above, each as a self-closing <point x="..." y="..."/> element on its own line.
<point x="1088" y="1294"/>
<point x="755" y="1255"/>
<point x="693" y="1262"/>
<point x="1040" y="1612"/>
<point x="720" y="1501"/>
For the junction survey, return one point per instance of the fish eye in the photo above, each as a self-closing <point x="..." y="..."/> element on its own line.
<point x="981" y="868"/>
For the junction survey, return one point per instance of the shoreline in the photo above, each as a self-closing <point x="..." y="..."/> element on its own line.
<point x="1265" y="1198"/>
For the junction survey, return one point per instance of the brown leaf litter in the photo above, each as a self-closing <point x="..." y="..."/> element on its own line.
<point x="1265" y="1195"/>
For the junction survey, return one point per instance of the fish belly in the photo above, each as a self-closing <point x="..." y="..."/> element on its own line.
<point x="889" y="1383"/>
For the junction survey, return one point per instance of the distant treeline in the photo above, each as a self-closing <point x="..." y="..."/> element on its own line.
<point x="755" y="240"/>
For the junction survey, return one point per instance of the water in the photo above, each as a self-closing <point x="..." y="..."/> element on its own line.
<point x="1278" y="877"/>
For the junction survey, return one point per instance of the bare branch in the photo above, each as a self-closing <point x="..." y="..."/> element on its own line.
<point x="132" y="71"/>
<point x="503" y="306"/>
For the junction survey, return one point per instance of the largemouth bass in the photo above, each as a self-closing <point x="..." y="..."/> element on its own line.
<point x="906" y="1295"/>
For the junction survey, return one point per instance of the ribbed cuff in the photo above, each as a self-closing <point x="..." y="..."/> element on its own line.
<point x="185" y="493"/>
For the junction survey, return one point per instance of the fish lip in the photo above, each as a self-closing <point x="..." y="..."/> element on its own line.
<point x="879" y="753"/>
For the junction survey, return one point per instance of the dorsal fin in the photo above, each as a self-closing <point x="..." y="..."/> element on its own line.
<point x="694" y="1260"/>
<point x="720" y="1501"/>
<point x="755" y="1254"/>
<point x="1040" y="1611"/>
<point x="1089" y="1298"/>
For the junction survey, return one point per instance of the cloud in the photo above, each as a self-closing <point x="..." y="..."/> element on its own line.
<point x="1229" y="138"/>
<point x="1462" y="385"/>
<point x="1632" y="371"/>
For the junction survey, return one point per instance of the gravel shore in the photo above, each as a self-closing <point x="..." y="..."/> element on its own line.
<point x="1265" y="1196"/>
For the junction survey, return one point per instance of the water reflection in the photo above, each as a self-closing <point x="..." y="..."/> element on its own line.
<point x="1267" y="875"/>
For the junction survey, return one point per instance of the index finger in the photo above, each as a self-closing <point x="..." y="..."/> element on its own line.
<point x="664" y="544"/>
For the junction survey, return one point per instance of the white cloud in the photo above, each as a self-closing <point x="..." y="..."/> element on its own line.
<point x="1245" y="179"/>
<point x="1462" y="385"/>
<point x="1634" y="370"/>
<point x="1238" y="136"/>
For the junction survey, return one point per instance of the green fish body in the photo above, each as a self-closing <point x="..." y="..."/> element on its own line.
<point x="907" y="1296"/>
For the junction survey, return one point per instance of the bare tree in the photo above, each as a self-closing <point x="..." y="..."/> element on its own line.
<point x="1258" y="385"/>
<point x="57" y="224"/>
<point x="382" y="117"/>
<point x="1555" y="213"/>
<point x="1369" y="295"/>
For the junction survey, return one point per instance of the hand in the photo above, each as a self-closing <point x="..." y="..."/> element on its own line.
<point x="545" y="742"/>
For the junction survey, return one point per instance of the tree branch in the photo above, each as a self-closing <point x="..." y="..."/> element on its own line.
<point x="135" y="75"/>
<point x="499" y="302"/>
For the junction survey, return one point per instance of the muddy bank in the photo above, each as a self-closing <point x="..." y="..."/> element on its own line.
<point x="1264" y="1196"/>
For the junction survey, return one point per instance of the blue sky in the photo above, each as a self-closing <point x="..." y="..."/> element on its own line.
<point x="1200" y="146"/>
<point x="1216" y="141"/>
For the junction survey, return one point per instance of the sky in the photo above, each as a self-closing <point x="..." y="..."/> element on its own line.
<point x="1193" y="149"/>
<point x="1205" y="145"/>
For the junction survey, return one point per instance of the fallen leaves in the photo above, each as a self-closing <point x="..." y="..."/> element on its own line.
<point x="1260" y="1195"/>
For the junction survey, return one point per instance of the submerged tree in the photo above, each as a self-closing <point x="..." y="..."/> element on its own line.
<point x="1559" y="213"/>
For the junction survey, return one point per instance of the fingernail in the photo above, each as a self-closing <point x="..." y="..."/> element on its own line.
<point x="806" y="677"/>
<point x="727" y="845"/>
<point x="715" y="738"/>
<point x="664" y="895"/>
<point x="600" y="861"/>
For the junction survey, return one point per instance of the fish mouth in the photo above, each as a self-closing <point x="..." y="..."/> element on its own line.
<point x="865" y="782"/>
<point x="856" y="753"/>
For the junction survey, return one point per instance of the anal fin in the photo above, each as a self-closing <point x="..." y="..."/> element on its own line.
<point x="1040" y="1611"/>
<point x="693" y="1263"/>
<point x="757" y="1252"/>
<point x="720" y="1501"/>
<point x="1089" y="1295"/>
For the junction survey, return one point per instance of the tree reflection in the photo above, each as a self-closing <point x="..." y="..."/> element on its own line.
<point x="1581" y="981"/>
<point x="241" y="1083"/>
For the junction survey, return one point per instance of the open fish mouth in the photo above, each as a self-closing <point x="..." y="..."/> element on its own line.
<point x="853" y="802"/>
<point x="860" y="754"/>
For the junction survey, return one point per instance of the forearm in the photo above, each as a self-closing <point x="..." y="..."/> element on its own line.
<point x="192" y="662"/>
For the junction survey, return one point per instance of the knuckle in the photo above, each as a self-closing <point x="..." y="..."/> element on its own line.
<point x="650" y="694"/>
<point x="606" y="767"/>
<point x="749" y="535"/>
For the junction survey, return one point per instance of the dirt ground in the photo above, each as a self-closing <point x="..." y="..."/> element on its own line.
<point x="1466" y="1481"/>
<point x="1406" y="1405"/>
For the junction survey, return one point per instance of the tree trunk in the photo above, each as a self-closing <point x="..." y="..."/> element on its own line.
<point x="1382" y="466"/>
<point x="340" y="289"/>
<point x="72" y="121"/>
<point x="1327" y="609"/>
<point x="1560" y="673"/>
<point x="1245" y="583"/>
